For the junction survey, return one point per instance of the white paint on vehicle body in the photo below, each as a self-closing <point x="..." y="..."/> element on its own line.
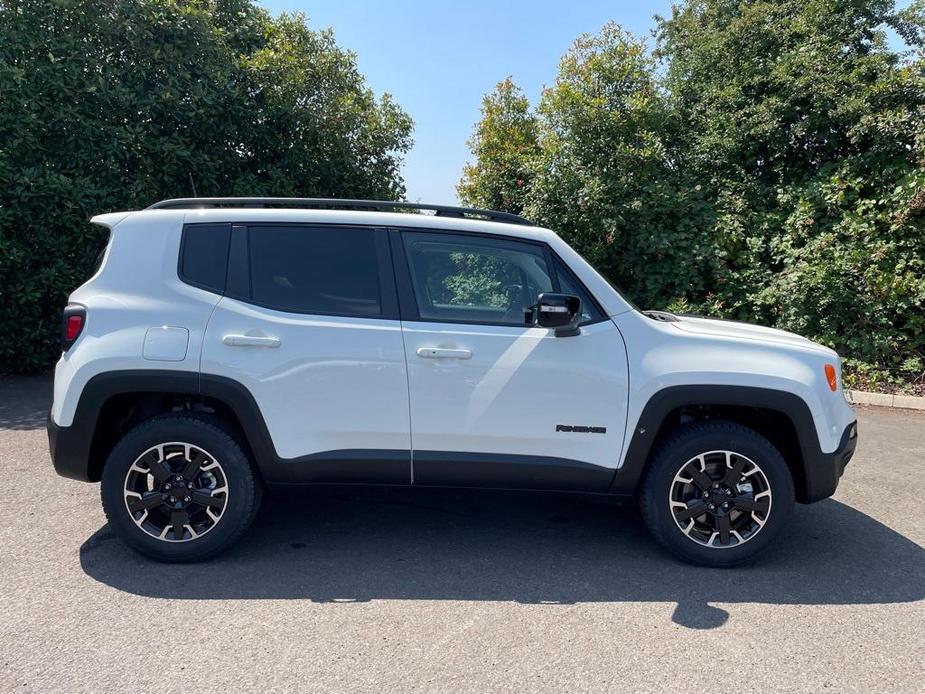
<point x="166" y="343"/>
<point x="517" y="386"/>
<point x="331" y="384"/>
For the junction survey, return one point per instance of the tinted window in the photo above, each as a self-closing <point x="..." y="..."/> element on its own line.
<point x="315" y="270"/>
<point x="98" y="261"/>
<point x="475" y="279"/>
<point x="568" y="284"/>
<point x="204" y="259"/>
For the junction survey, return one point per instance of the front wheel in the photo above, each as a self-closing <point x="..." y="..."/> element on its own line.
<point x="179" y="488"/>
<point x="716" y="493"/>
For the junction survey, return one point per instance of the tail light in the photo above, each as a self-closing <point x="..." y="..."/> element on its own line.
<point x="72" y="324"/>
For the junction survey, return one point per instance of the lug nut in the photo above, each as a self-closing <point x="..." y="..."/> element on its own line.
<point x="706" y="494"/>
<point x="728" y="492"/>
<point x="726" y="505"/>
<point x="173" y="499"/>
<point x="712" y="507"/>
<point x="186" y="499"/>
<point x="167" y="486"/>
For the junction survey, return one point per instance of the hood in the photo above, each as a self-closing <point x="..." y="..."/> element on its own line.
<point x="745" y="331"/>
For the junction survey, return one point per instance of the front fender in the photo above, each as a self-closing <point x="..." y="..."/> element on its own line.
<point x="821" y="470"/>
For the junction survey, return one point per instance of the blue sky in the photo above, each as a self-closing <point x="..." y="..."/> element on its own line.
<point x="439" y="58"/>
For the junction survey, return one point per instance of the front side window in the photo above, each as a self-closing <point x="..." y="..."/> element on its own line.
<point x="475" y="279"/>
<point x="321" y="270"/>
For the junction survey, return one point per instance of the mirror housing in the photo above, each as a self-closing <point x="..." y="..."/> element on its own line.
<point x="561" y="312"/>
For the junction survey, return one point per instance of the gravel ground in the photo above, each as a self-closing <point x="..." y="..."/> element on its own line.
<point x="455" y="591"/>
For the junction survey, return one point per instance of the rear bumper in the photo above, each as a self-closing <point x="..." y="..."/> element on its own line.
<point x="824" y="473"/>
<point x="69" y="448"/>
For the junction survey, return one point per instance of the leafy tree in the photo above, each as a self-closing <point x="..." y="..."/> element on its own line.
<point x="608" y="179"/>
<point x="504" y="145"/>
<point x="807" y="131"/>
<point x="113" y="105"/>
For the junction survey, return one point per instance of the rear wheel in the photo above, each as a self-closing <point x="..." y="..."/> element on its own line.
<point x="179" y="488"/>
<point x="716" y="493"/>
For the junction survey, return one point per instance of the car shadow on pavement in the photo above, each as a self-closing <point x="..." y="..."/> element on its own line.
<point x="352" y="546"/>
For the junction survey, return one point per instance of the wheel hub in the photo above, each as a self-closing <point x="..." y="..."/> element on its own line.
<point x="176" y="492"/>
<point x="720" y="499"/>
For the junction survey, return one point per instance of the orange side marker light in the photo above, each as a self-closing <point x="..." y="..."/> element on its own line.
<point x="831" y="377"/>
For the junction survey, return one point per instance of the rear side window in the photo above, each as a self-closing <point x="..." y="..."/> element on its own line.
<point x="321" y="270"/>
<point x="204" y="255"/>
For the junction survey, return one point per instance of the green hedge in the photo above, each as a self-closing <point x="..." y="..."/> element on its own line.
<point x="113" y="105"/>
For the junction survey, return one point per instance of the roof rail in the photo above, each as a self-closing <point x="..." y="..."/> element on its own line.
<point x="337" y="204"/>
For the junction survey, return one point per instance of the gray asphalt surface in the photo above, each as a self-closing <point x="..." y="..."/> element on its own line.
<point x="460" y="591"/>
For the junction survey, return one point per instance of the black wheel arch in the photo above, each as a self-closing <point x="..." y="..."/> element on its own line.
<point x="113" y="402"/>
<point x="783" y="418"/>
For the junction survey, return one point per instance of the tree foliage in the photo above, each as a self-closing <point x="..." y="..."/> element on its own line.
<point x="608" y="176"/>
<point x="113" y="105"/>
<point x="764" y="163"/>
<point x="504" y="145"/>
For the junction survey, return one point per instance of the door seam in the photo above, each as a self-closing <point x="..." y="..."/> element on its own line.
<point x="404" y="347"/>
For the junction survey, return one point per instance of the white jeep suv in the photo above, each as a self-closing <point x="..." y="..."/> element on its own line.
<point x="225" y="344"/>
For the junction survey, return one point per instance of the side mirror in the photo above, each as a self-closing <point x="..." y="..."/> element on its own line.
<point x="559" y="311"/>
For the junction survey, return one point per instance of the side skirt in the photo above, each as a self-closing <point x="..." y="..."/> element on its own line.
<point x="497" y="471"/>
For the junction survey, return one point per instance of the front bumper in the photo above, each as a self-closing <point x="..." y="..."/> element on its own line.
<point x="823" y="473"/>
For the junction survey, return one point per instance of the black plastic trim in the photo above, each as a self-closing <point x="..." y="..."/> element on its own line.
<point x="823" y="477"/>
<point x="238" y="281"/>
<point x="71" y="447"/>
<point x="820" y="468"/>
<point x="499" y="471"/>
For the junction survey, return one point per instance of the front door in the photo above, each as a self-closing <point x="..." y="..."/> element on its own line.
<point x="496" y="402"/>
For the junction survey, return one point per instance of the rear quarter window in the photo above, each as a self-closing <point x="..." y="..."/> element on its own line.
<point x="204" y="256"/>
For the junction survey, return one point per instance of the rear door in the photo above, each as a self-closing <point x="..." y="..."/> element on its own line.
<point x="494" y="401"/>
<point x="309" y="326"/>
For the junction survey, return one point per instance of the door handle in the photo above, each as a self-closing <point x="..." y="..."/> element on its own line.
<point x="250" y="341"/>
<point x="442" y="353"/>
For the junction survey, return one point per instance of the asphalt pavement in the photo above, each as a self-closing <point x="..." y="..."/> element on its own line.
<point x="460" y="591"/>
